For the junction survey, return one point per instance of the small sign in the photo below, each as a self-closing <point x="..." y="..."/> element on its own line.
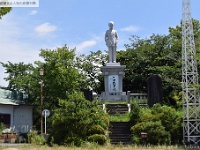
<point x="46" y="112"/>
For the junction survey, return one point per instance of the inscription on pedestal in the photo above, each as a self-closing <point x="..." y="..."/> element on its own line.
<point x="113" y="84"/>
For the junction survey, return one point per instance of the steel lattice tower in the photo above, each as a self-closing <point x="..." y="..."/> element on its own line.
<point x="191" y="103"/>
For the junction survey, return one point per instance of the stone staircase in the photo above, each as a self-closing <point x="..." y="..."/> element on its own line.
<point x="119" y="131"/>
<point x="116" y="108"/>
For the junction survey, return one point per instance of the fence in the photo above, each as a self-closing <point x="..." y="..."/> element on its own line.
<point x="140" y="98"/>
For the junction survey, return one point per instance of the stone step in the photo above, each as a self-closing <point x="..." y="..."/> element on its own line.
<point x="116" y="108"/>
<point x="125" y="139"/>
<point x="120" y="133"/>
<point x="116" y="105"/>
<point x="120" y="124"/>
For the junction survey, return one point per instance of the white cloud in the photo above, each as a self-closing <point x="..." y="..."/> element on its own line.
<point x="45" y="29"/>
<point x="131" y="29"/>
<point x="14" y="44"/>
<point x="33" y="12"/>
<point x="85" y="45"/>
<point x="16" y="52"/>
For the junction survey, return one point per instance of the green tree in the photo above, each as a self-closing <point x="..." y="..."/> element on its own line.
<point x="157" y="55"/>
<point x="90" y="66"/>
<point x="59" y="80"/>
<point x="77" y="120"/>
<point x="146" y="57"/>
<point x="4" y="11"/>
<point x="163" y="125"/>
<point x="17" y="74"/>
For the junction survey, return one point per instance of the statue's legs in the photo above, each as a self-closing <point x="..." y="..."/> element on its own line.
<point x="112" y="54"/>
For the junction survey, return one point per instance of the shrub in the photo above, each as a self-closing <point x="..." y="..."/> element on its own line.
<point x="95" y="129"/>
<point x="34" y="138"/>
<point x="2" y="127"/>
<point x="171" y="119"/>
<point x="97" y="138"/>
<point x="156" y="133"/>
<point x="76" y="119"/>
<point x="163" y="122"/>
<point x="73" y="140"/>
<point x="135" y="112"/>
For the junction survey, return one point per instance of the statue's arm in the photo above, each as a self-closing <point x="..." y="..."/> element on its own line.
<point x="106" y="36"/>
<point x="116" y="35"/>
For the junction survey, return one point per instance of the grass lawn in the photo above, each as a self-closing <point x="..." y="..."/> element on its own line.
<point x="92" y="147"/>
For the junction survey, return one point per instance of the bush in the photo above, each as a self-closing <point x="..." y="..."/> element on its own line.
<point x="97" y="138"/>
<point x="156" y="133"/>
<point x="95" y="129"/>
<point x="76" y="119"/>
<point x="162" y="123"/>
<point x="171" y="119"/>
<point x="135" y="112"/>
<point x="73" y="140"/>
<point x="2" y="127"/>
<point x="34" y="138"/>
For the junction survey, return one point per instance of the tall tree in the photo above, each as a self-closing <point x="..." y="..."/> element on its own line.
<point x="90" y="67"/>
<point x="4" y="11"/>
<point x="59" y="80"/>
<point x="159" y="55"/>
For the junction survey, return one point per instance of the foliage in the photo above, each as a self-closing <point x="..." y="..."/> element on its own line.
<point x="94" y="146"/>
<point x="155" y="131"/>
<point x="135" y="112"/>
<point x="95" y="129"/>
<point x="97" y="138"/>
<point x="157" y="55"/>
<point x="90" y="66"/>
<point x="60" y="78"/>
<point x="4" y="11"/>
<point x="73" y="140"/>
<point x="34" y="138"/>
<point x="2" y="127"/>
<point x="153" y="56"/>
<point x="74" y="118"/>
<point x="163" y="124"/>
<point x="120" y="117"/>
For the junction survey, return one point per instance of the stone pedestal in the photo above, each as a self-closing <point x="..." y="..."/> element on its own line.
<point x="113" y="80"/>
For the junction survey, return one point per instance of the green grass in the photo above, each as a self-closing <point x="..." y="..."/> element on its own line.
<point x="120" y="117"/>
<point x="122" y="102"/>
<point x="92" y="147"/>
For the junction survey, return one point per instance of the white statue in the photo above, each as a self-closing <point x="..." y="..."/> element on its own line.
<point x="111" y="39"/>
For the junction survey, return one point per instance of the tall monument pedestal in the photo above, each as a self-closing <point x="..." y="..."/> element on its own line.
<point x="113" y="80"/>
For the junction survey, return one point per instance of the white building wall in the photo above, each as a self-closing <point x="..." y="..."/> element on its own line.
<point x="23" y="119"/>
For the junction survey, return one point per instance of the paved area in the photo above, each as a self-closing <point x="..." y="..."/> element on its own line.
<point x="11" y="148"/>
<point x="12" y="144"/>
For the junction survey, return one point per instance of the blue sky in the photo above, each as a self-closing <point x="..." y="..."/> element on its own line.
<point x="82" y="24"/>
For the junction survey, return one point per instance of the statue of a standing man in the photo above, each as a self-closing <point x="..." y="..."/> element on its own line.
<point x="111" y="38"/>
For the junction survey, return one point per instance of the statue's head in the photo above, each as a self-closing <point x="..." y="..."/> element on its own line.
<point x="111" y="24"/>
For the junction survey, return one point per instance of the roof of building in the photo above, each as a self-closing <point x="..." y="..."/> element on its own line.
<point x="6" y="98"/>
<point x="6" y="101"/>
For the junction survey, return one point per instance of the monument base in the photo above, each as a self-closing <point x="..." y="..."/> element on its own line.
<point x="114" y="97"/>
<point x="113" y="81"/>
<point x="113" y="64"/>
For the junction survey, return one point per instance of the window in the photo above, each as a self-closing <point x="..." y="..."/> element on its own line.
<point x="5" y="119"/>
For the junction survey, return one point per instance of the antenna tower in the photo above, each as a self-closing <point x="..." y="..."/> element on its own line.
<point x="190" y="98"/>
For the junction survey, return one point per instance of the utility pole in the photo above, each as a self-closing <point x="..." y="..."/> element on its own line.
<point x="41" y="100"/>
<point x="190" y="96"/>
